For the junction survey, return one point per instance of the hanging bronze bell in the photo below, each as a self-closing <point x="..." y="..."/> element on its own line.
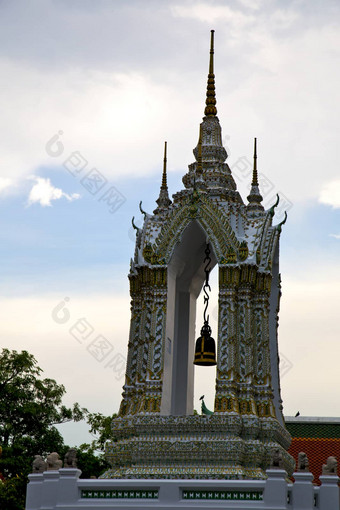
<point x="205" y="350"/>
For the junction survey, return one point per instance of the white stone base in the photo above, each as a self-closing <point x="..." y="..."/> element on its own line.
<point x="64" y="489"/>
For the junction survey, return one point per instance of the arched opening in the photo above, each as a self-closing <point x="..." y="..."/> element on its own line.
<point x="205" y="377"/>
<point x="185" y="279"/>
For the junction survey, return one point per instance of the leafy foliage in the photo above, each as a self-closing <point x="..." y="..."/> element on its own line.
<point x="30" y="409"/>
<point x="30" y="406"/>
<point x="93" y="454"/>
<point x="12" y="493"/>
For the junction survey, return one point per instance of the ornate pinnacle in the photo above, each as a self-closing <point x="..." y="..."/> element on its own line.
<point x="255" y="198"/>
<point x="164" y="177"/>
<point x="163" y="200"/>
<point x="255" y="177"/>
<point x="210" y="109"/>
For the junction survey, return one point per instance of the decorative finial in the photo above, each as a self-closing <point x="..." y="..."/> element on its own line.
<point x="279" y="226"/>
<point x="255" y="198"/>
<point x="163" y="200"/>
<point x="210" y="109"/>
<point x="271" y="211"/>
<point x="145" y="214"/>
<point x="255" y="177"/>
<point x="134" y="225"/>
<point x="164" y="177"/>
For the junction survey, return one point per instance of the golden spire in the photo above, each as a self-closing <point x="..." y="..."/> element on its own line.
<point x="210" y="109"/>
<point x="163" y="200"/>
<point x="255" y="198"/>
<point x="255" y="181"/>
<point x="164" y="178"/>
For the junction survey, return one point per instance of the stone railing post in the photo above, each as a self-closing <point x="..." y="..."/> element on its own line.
<point x="49" y="490"/>
<point x="67" y="486"/>
<point x="276" y="489"/>
<point x="303" y="491"/>
<point x="329" y="498"/>
<point x="33" y="493"/>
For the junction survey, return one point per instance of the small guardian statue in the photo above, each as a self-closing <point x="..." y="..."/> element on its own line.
<point x="70" y="459"/>
<point x="331" y="467"/>
<point x="38" y="465"/>
<point x="276" y="462"/>
<point x="53" y="462"/>
<point x="303" y="463"/>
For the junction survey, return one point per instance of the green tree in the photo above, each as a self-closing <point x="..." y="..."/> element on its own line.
<point x="92" y="456"/>
<point x="30" y="409"/>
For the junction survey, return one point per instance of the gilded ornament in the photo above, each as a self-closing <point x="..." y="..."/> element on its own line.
<point x="243" y="251"/>
<point x="231" y="256"/>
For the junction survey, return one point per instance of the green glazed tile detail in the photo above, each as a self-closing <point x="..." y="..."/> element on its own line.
<point x="315" y="430"/>
<point x="223" y="495"/>
<point x="119" y="494"/>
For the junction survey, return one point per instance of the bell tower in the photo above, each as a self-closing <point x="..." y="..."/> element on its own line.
<point x="156" y="433"/>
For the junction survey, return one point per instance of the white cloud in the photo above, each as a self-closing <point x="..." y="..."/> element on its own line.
<point x="5" y="182"/>
<point x="68" y="357"/>
<point x="43" y="193"/>
<point x="336" y="236"/>
<point x="330" y="194"/>
<point x="102" y="114"/>
<point x="118" y="111"/>
<point x="211" y="13"/>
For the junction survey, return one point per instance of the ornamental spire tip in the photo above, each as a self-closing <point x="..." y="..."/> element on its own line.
<point x="163" y="200"/>
<point x="164" y="176"/>
<point x="210" y="109"/>
<point x="255" y="176"/>
<point x="255" y="198"/>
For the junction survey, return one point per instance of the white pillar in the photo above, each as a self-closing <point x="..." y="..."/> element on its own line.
<point x="276" y="489"/>
<point x="33" y="493"/>
<point x="303" y="491"/>
<point x="49" y="489"/>
<point x="67" y="486"/>
<point x="329" y="493"/>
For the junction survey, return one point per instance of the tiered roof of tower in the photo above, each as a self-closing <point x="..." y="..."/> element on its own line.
<point x="209" y="185"/>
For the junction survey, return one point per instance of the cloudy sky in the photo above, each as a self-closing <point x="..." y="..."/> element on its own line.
<point x="93" y="89"/>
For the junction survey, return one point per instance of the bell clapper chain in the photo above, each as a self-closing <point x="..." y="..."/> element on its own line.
<point x="205" y="349"/>
<point x="206" y="286"/>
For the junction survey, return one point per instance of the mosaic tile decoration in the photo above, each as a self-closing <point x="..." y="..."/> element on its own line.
<point x="317" y="451"/>
<point x="311" y="429"/>
<point x="119" y="494"/>
<point x="318" y="440"/>
<point x="223" y="495"/>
